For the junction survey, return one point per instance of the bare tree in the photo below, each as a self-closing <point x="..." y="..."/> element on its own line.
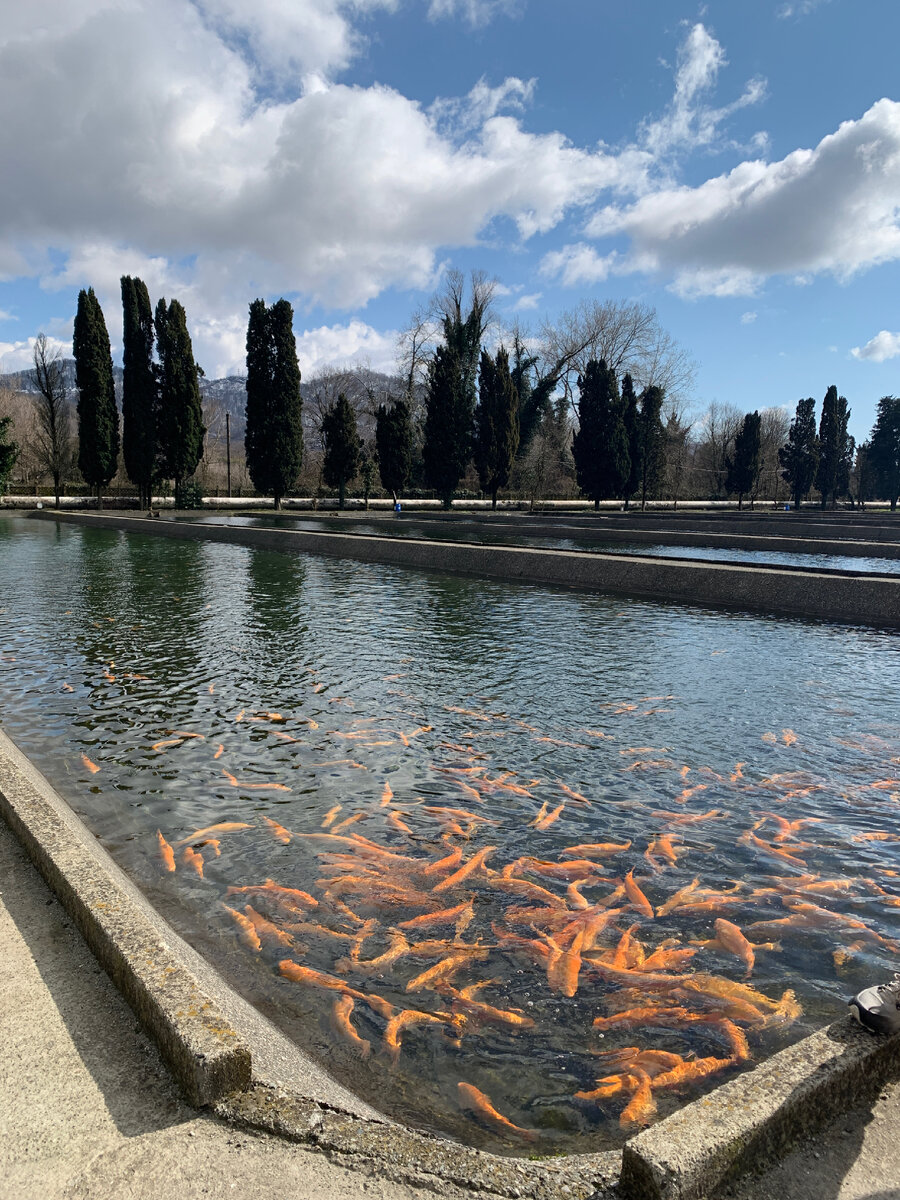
<point x="53" y="429"/>
<point x="718" y="427"/>
<point x="628" y="336"/>
<point x="775" y="425"/>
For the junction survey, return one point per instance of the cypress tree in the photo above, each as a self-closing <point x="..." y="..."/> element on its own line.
<point x="496" y="423"/>
<point x="835" y="451"/>
<point x="884" y="449"/>
<point x="799" y="457"/>
<point x="652" y="441"/>
<point x="631" y="420"/>
<point x="274" y="437"/>
<point x="449" y="409"/>
<point x="534" y="397"/>
<point x="742" y="468"/>
<point x="98" y="417"/>
<point x="180" y="427"/>
<point x="600" y="447"/>
<point x="342" y="446"/>
<point x="139" y="394"/>
<point x="9" y="452"/>
<point x="393" y="441"/>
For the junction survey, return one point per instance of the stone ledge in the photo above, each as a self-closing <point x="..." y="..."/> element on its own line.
<point x="198" y="1044"/>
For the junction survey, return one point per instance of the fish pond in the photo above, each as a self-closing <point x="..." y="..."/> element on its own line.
<point x="524" y="867"/>
<point x="507" y="533"/>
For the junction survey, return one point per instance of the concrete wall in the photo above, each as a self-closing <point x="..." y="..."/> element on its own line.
<point x="825" y="595"/>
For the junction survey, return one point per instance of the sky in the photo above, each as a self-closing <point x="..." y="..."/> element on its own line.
<point x="736" y="165"/>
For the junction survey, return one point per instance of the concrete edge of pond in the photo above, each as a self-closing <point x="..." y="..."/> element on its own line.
<point x="751" y="1120"/>
<point x="849" y="597"/>
<point x="195" y="1038"/>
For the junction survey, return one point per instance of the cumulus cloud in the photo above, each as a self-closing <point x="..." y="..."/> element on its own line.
<point x="19" y="356"/>
<point x="463" y="114"/>
<point x="528" y="302"/>
<point x="882" y="346"/>
<point x="334" y="346"/>
<point x="577" y="264"/>
<point x="830" y="209"/>
<point x="748" y="318"/>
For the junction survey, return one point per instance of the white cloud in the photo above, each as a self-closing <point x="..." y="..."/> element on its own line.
<point x="19" y="356"/>
<point x="830" y="209"/>
<point x="293" y="38"/>
<point x="689" y="123"/>
<point x="527" y="303"/>
<point x="7" y="316"/>
<point x="463" y="114"/>
<point x="336" y="346"/>
<point x="475" y="13"/>
<point x="882" y="346"/>
<point x="748" y="318"/>
<point x="577" y="264"/>
<point x="799" y="8"/>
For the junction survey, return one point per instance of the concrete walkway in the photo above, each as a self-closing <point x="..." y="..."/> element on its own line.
<point x="87" y="1111"/>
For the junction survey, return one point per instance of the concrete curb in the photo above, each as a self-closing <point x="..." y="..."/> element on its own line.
<point x="856" y="598"/>
<point x="203" y="1052"/>
<point x="753" y="1119"/>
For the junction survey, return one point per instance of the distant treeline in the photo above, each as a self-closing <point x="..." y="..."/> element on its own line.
<point x="593" y="406"/>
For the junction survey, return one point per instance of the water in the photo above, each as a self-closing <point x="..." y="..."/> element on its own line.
<point x="507" y="534"/>
<point x="332" y="679"/>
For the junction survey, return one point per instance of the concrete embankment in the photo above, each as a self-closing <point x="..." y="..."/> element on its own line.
<point x="858" y="598"/>
<point x="721" y="537"/>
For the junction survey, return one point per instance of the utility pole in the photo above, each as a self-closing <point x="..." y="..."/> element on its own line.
<point x="228" y="449"/>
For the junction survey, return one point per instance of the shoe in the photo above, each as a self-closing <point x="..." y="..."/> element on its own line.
<point x="878" y="1008"/>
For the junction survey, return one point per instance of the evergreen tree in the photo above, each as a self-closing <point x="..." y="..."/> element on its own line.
<point x="632" y="421"/>
<point x="534" y="396"/>
<point x="342" y="446"/>
<point x="393" y="441"/>
<point x="9" y="452"/>
<point x="449" y="409"/>
<point x="180" y="427"/>
<point x="884" y="449"/>
<point x="600" y="447"/>
<point x="274" y="438"/>
<point x="651" y="442"/>
<point x="743" y="465"/>
<point x="368" y="469"/>
<point x="496" y="423"/>
<point x="98" y="417"/>
<point x="139" y="392"/>
<point x="835" y="451"/>
<point x="799" y="458"/>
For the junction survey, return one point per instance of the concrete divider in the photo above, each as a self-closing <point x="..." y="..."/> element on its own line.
<point x="203" y="1052"/>
<point x="858" y="598"/>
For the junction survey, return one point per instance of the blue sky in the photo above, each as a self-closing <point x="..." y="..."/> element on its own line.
<point x="734" y="164"/>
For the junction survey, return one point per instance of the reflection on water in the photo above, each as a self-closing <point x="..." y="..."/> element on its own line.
<point x="478" y="804"/>
<point x="508" y="533"/>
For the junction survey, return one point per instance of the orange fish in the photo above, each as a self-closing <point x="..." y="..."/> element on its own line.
<point x="398" y="823"/>
<point x="444" y="970"/>
<point x="769" y="737"/>
<point x="453" y="859"/>
<point x="222" y="827"/>
<point x="163" y="745"/>
<point x="166" y="853"/>
<point x="572" y="794"/>
<point x="347" y="822"/>
<point x="689" y="1072"/>
<point x="192" y="859"/>
<point x="477" y="860"/>
<point x="299" y="974"/>
<point x="268" y="933"/>
<point x="689" y="818"/>
<point x="219" y="751"/>
<point x="788" y="736"/>
<point x="393" y="1034"/>
<point x="732" y="939"/>
<point x="278" y="831"/>
<point x="91" y="766"/>
<point x="248" y="934"/>
<point x="688" y="792"/>
<point x="464" y="1002"/>
<point x="215" y="843"/>
<point x="470" y="1097"/>
<point x="343" y="1007"/>
<point x="330" y="815"/>
<point x="387" y="794"/>
<point x="293" y="896"/>
<point x="546" y="821"/>
<point x="447" y="916"/>
<point x="595" y="849"/>
<point x="268" y="787"/>
<point x="641" y="1108"/>
<point x="636" y="896"/>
